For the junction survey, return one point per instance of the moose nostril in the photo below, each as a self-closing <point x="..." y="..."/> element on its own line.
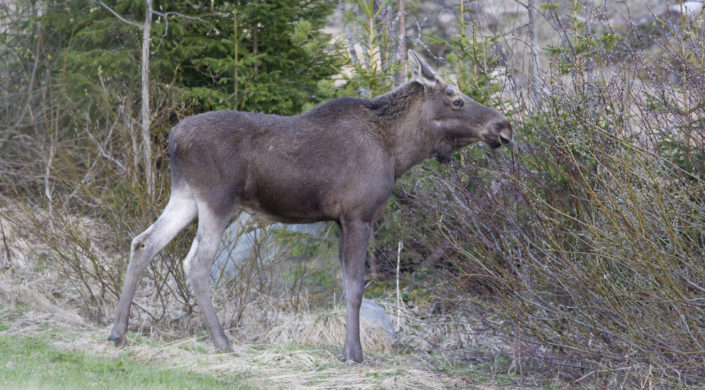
<point x="505" y="137"/>
<point x="504" y="132"/>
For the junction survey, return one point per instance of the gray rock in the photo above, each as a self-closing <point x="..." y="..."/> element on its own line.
<point x="244" y="239"/>
<point x="377" y="315"/>
<point x="690" y="8"/>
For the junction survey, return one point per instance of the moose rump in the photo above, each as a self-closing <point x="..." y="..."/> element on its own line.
<point x="337" y="162"/>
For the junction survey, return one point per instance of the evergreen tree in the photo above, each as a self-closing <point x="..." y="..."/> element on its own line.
<point x="88" y="49"/>
<point x="284" y="61"/>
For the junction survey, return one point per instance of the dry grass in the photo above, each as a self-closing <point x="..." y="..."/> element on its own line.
<point x="327" y="327"/>
<point x="12" y="295"/>
<point x="300" y="352"/>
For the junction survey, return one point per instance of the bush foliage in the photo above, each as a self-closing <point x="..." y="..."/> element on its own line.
<point x="587" y="239"/>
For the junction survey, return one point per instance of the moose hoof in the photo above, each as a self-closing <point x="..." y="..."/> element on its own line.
<point x="352" y="355"/>
<point x="118" y="340"/>
<point x="351" y="361"/>
<point x="223" y="347"/>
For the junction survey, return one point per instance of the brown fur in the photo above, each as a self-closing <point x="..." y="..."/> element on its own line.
<point x="336" y="162"/>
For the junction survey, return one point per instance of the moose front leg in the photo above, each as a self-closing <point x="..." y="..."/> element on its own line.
<point x="355" y="236"/>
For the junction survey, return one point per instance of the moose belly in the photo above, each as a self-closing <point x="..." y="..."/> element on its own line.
<point x="291" y="201"/>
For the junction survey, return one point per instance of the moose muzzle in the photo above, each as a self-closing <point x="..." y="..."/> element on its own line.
<point x="499" y="133"/>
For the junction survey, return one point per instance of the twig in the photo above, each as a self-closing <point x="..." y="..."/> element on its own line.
<point x="117" y="15"/>
<point x="4" y="241"/>
<point x="399" y="247"/>
<point x="420" y="41"/>
<point x="47" y="182"/>
<point x="101" y="148"/>
<point x="179" y="14"/>
<point x="348" y="34"/>
<point x="165" y="16"/>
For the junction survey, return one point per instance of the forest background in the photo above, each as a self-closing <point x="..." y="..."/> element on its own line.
<point x="573" y="258"/>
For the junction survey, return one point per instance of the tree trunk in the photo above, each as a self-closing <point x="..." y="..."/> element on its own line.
<point x="352" y="52"/>
<point x="534" y="41"/>
<point x="145" y="113"/>
<point x="400" y="77"/>
<point x="255" y="49"/>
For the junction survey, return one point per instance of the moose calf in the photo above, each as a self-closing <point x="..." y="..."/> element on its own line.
<point x="337" y="162"/>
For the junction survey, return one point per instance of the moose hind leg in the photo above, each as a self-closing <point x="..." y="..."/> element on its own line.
<point x="198" y="264"/>
<point x="179" y="212"/>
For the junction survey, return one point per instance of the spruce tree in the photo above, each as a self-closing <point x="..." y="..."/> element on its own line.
<point x="284" y="61"/>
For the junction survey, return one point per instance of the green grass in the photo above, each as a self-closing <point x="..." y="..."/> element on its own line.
<point x="30" y="362"/>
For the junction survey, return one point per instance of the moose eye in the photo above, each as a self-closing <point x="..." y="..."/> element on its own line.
<point x="449" y="91"/>
<point x="458" y="103"/>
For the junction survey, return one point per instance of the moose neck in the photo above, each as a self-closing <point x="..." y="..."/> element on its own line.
<point x="403" y="125"/>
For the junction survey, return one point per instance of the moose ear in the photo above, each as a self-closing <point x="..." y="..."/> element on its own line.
<point x="423" y="73"/>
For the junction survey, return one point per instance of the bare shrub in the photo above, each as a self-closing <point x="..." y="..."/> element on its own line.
<point x="587" y="240"/>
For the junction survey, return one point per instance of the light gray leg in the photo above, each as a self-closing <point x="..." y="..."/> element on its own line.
<point x="356" y="234"/>
<point x="198" y="266"/>
<point x="179" y="212"/>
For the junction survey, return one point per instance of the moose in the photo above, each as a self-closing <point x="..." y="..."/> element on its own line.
<point x="337" y="162"/>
